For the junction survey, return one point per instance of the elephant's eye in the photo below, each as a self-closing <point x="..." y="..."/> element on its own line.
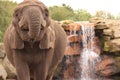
<point x="46" y="14"/>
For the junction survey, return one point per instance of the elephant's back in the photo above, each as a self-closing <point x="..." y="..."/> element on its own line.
<point x="60" y="41"/>
<point x="59" y="33"/>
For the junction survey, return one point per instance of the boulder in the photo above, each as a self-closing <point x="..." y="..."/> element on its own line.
<point x="3" y="73"/>
<point x="73" y="49"/>
<point x="11" y="72"/>
<point x="106" y="67"/>
<point x="117" y="59"/>
<point x="99" y="23"/>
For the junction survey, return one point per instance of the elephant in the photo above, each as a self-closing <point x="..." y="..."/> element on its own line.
<point x="33" y="42"/>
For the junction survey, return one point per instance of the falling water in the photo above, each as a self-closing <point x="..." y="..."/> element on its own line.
<point x="88" y="56"/>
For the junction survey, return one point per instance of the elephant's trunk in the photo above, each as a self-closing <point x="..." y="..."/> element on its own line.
<point x="34" y="26"/>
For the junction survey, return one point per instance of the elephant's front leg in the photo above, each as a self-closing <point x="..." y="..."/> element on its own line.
<point x="41" y="70"/>
<point x="22" y="68"/>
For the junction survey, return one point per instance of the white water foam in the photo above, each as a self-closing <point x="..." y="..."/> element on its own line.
<point x="88" y="56"/>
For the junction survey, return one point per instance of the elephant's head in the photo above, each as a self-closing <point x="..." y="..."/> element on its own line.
<point x="31" y="21"/>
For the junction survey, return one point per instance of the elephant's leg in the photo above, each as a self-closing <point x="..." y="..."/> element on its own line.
<point x="41" y="70"/>
<point x="51" y="72"/>
<point x="22" y="68"/>
<point x="57" y="58"/>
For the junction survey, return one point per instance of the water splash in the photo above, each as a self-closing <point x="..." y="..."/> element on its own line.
<point x="88" y="56"/>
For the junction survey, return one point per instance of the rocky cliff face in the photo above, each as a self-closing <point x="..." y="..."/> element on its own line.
<point x="107" y="43"/>
<point x="108" y="32"/>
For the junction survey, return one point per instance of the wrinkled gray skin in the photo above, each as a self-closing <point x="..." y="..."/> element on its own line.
<point x="34" y="44"/>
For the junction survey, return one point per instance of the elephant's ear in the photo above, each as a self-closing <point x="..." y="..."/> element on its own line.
<point x="48" y="39"/>
<point x="16" y="41"/>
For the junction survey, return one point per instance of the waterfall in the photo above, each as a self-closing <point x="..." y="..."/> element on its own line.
<point x="81" y="53"/>
<point x="88" y="56"/>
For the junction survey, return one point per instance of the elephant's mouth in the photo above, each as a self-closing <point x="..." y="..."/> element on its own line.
<point x="26" y="30"/>
<point x="32" y="41"/>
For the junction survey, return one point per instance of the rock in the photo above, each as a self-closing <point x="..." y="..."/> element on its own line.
<point x="73" y="49"/>
<point x="99" y="23"/>
<point x="112" y="45"/>
<point x="70" y="68"/>
<point x="108" y="32"/>
<point x="117" y="59"/>
<point x="97" y="45"/>
<point x="116" y="41"/>
<point x="9" y="69"/>
<point x="106" y="67"/>
<point x="3" y="73"/>
<point x="2" y="54"/>
<point x="73" y="38"/>
<point x="96" y="20"/>
<point x="73" y="27"/>
<point x="65" y="23"/>
<point x="114" y="26"/>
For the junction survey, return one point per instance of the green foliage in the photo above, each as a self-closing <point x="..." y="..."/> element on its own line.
<point x="61" y="12"/>
<point x="82" y="15"/>
<point x="6" y="11"/>
<point x="67" y="13"/>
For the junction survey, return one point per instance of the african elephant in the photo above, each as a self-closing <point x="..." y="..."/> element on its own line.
<point x="34" y="43"/>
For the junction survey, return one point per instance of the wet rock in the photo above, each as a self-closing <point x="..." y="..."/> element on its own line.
<point x="73" y="38"/>
<point x="73" y="49"/>
<point x="76" y="38"/>
<point x="74" y="27"/>
<point x="97" y="45"/>
<point x="70" y="67"/>
<point x="106" y="67"/>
